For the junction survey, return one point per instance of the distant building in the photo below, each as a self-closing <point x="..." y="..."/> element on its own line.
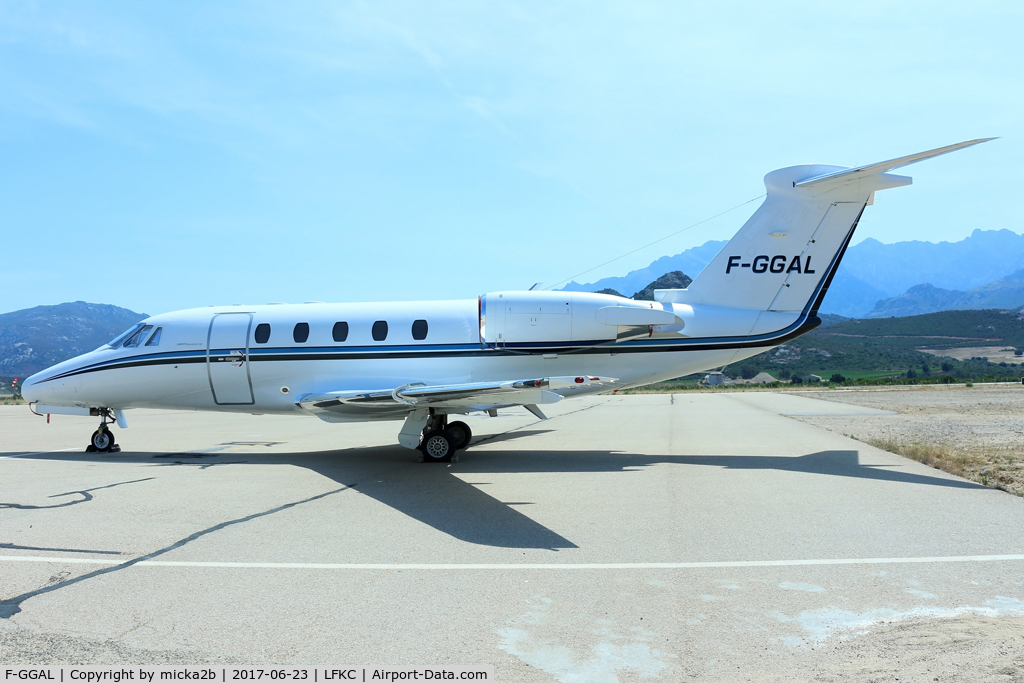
<point x="813" y="378"/>
<point x="714" y="379"/>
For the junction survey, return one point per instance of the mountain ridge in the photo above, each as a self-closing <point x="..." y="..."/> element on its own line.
<point x="871" y="271"/>
<point x="33" y="339"/>
<point x="1006" y="293"/>
<point x="692" y="260"/>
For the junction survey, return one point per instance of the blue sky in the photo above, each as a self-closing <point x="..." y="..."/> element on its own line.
<point x="166" y="155"/>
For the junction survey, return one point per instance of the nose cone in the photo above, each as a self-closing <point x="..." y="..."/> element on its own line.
<point x="57" y="385"/>
<point x="32" y="388"/>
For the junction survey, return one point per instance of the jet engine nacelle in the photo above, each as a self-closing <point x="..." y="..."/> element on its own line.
<point x="540" y="317"/>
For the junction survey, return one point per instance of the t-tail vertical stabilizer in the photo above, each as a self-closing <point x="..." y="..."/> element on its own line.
<point x="784" y="257"/>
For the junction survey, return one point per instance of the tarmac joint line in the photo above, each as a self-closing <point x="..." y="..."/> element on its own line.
<point x="145" y="561"/>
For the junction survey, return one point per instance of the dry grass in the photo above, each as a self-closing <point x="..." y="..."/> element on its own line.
<point x="997" y="471"/>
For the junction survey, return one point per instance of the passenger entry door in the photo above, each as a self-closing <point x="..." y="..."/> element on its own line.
<point x="227" y="358"/>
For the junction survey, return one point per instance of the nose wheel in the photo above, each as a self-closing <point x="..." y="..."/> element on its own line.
<point x="102" y="440"/>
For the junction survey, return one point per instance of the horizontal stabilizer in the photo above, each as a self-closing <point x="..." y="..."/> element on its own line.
<point x="886" y="166"/>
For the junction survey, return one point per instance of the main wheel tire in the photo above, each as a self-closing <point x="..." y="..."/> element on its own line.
<point x="437" y="446"/>
<point x="102" y="440"/>
<point x="461" y="434"/>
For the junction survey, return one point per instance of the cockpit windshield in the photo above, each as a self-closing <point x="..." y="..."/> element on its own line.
<point x="117" y="341"/>
<point x="137" y="338"/>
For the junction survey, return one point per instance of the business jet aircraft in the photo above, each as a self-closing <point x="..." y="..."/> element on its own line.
<point x="423" y="361"/>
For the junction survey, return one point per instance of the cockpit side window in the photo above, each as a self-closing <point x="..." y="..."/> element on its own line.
<point x="137" y="338"/>
<point x="155" y="339"/>
<point x="116" y="341"/>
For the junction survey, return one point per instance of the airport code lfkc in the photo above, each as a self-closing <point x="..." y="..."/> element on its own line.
<point x="222" y="674"/>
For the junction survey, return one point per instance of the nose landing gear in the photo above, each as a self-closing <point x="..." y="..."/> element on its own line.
<point x="102" y="440"/>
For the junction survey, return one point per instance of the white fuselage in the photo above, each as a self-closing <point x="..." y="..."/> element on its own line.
<point x="220" y="358"/>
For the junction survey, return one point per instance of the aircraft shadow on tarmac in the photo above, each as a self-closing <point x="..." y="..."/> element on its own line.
<point x="434" y="495"/>
<point x="431" y="493"/>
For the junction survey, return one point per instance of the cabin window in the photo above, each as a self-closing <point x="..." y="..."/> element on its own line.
<point x="340" y="332"/>
<point x="263" y="333"/>
<point x="155" y="339"/>
<point x="380" y="330"/>
<point x="136" y="339"/>
<point x="301" y="333"/>
<point x="116" y="341"/>
<point x="419" y="330"/>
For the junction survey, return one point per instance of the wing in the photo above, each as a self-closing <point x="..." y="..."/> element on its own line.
<point x="459" y="398"/>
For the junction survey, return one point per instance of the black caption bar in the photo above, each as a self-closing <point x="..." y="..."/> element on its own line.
<point x="231" y="674"/>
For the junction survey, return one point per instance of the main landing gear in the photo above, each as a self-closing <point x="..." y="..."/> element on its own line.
<point x="102" y="440"/>
<point x="442" y="439"/>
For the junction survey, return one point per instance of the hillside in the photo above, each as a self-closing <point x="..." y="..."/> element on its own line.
<point x="692" y="260"/>
<point x="982" y="257"/>
<point x="674" y="280"/>
<point x="1007" y="292"/>
<point x="958" y="327"/>
<point x="849" y="296"/>
<point x="35" y="338"/>
<point x="872" y="271"/>
<point x="892" y="346"/>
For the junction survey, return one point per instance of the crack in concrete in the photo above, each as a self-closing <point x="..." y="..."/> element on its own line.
<point x="14" y="546"/>
<point x="12" y="606"/>
<point x="85" y="493"/>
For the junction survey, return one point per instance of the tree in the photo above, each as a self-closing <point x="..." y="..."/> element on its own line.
<point x="911" y="374"/>
<point x="748" y="371"/>
<point x="677" y="279"/>
<point x="947" y="367"/>
<point x="837" y="378"/>
<point x="784" y="373"/>
<point x="925" y="369"/>
<point x="796" y="380"/>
